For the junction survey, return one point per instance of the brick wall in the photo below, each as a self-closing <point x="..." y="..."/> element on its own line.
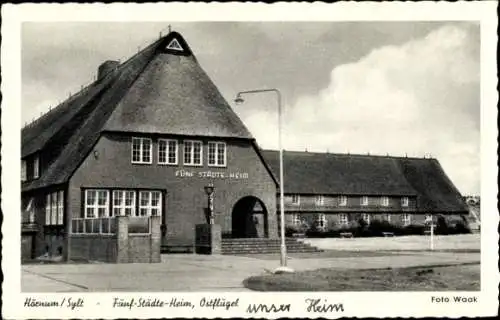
<point x="122" y="247"/>
<point x="93" y="247"/>
<point x="185" y="199"/>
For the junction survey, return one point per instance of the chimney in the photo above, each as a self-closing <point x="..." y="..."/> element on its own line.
<point x="106" y="67"/>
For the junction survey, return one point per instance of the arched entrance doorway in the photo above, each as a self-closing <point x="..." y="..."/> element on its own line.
<point x="249" y="218"/>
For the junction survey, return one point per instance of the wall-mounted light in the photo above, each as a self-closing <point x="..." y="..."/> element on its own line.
<point x="96" y="154"/>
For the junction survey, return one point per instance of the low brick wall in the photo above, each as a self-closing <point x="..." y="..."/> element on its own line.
<point x="93" y="247"/>
<point x="122" y="247"/>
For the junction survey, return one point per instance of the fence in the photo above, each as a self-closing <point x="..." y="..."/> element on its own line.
<point x="94" y="225"/>
<point x="108" y="225"/>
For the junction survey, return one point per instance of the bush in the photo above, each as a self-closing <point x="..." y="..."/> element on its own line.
<point x="441" y="226"/>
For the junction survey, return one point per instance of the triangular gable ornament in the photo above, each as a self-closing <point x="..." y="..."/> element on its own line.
<point x="175" y="45"/>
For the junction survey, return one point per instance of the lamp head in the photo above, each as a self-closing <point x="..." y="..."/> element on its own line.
<point x="209" y="189"/>
<point x="239" y="99"/>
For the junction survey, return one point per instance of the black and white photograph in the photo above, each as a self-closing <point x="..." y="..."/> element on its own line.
<point x="212" y="166"/>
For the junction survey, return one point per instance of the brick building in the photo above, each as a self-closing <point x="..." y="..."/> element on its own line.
<point x="145" y="139"/>
<point x="333" y="190"/>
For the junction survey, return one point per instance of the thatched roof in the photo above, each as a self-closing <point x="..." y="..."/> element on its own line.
<point x="342" y="174"/>
<point x="159" y="90"/>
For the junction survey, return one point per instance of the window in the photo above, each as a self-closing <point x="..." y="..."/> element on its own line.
<point x="428" y="218"/>
<point x="295" y="199"/>
<point x="174" y="45"/>
<point x="405" y="201"/>
<point x="36" y="167"/>
<point x="343" y="219"/>
<point x="47" y="210"/>
<point x="96" y="203"/>
<point x="321" y="221"/>
<point x="296" y="220"/>
<point x="217" y="154"/>
<point x="192" y="153"/>
<point x="384" y="201"/>
<point x="387" y="217"/>
<point x="342" y="201"/>
<point x="150" y="203"/>
<point x="123" y="203"/>
<point x="23" y="170"/>
<point x="54" y="208"/>
<point x="167" y="151"/>
<point x="320" y="200"/>
<point x="366" y="218"/>
<point x="364" y="201"/>
<point x="60" y="207"/>
<point x="142" y="148"/>
<point x="406" y="218"/>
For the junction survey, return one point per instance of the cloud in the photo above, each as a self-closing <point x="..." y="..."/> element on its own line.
<point x="418" y="98"/>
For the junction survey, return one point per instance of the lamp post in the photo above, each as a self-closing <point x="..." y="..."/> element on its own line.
<point x="209" y="190"/>
<point x="239" y="100"/>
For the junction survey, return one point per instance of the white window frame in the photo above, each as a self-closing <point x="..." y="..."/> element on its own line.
<point x="342" y="201"/>
<point x="319" y="200"/>
<point x="405" y="201"/>
<point x="321" y="220"/>
<point x="96" y="206"/>
<point x="149" y="206"/>
<point x="53" y="208"/>
<point x="295" y="199"/>
<point x="167" y="151"/>
<point x="384" y="201"/>
<point x="296" y="219"/>
<point x="343" y="219"/>
<point x="122" y="206"/>
<point x="24" y="171"/>
<point x="48" y="208"/>
<point x="216" y="154"/>
<point x="141" y="150"/>
<point x="364" y="201"/>
<point x="36" y="167"/>
<point x="191" y="153"/>
<point x="406" y="219"/>
<point x="60" y="207"/>
<point x="366" y="217"/>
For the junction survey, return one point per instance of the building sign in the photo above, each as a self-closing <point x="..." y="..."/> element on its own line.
<point x="211" y="174"/>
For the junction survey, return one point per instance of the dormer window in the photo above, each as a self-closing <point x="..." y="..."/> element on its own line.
<point x="405" y="201"/>
<point x="142" y="149"/>
<point x="384" y="201"/>
<point x="24" y="171"/>
<point x="342" y="201"/>
<point x="36" y="167"/>
<point x="192" y="153"/>
<point x="217" y="154"/>
<point x="364" y="201"/>
<point x="295" y="199"/>
<point x="320" y="200"/>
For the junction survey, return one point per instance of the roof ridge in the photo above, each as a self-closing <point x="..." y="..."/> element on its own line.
<point x="349" y="154"/>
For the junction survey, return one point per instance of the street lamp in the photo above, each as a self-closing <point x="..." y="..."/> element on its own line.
<point x="209" y="190"/>
<point x="239" y="100"/>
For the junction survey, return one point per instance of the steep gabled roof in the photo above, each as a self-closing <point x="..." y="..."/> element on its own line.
<point x="174" y="95"/>
<point x="342" y="174"/>
<point x="161" y="75"/>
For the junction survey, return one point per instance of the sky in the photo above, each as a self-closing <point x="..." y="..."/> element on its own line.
<point x="397" y="88"/>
